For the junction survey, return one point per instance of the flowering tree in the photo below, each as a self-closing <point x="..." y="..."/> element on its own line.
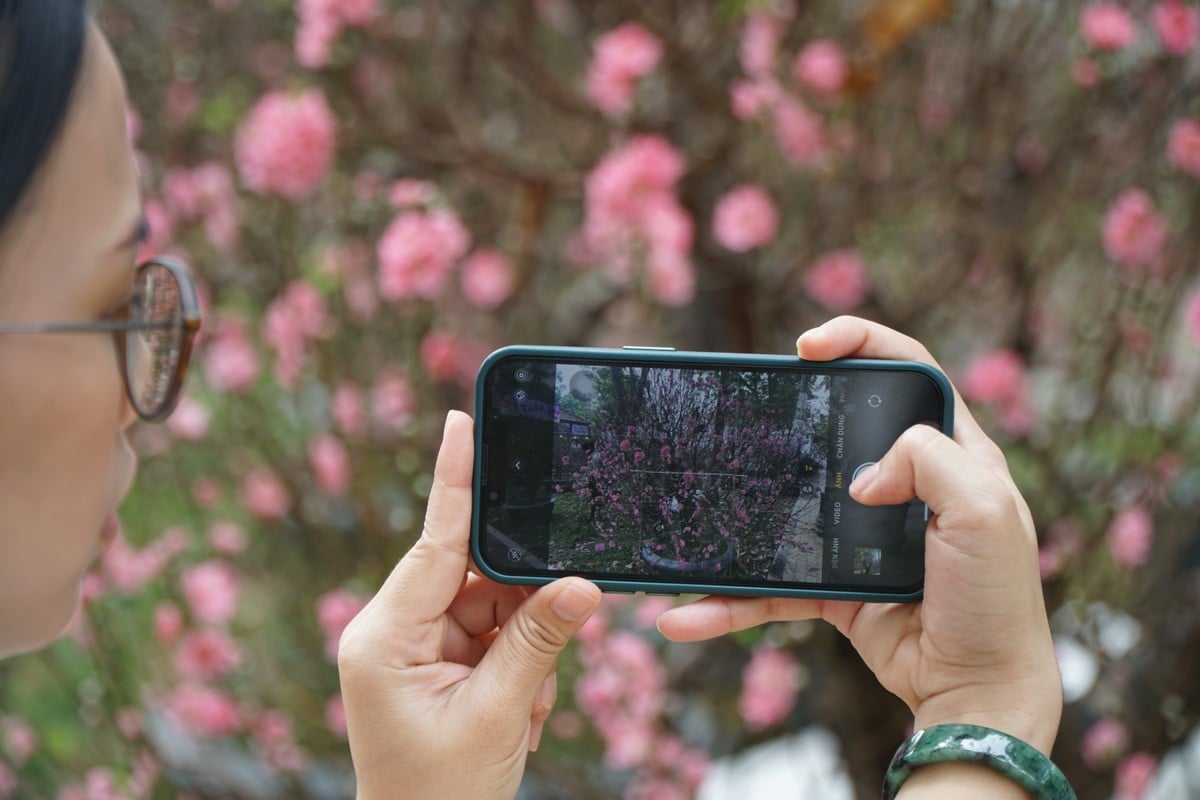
<point x="373" y="193"/>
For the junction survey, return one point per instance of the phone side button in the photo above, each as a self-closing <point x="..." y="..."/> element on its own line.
<point x="649" y="347"/>
<point x="662" y="594"/>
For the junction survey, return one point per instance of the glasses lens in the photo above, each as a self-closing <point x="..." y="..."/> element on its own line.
<point x="155" y="340"/>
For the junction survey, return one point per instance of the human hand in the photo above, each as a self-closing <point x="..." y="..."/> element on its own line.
<point x="977" y="648"/>
<point x="447" y="677"/>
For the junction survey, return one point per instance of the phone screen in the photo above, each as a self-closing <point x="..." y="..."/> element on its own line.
<point x="725" y="475"/>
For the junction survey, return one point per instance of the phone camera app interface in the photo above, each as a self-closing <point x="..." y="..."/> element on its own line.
<point x="725" y="475"/>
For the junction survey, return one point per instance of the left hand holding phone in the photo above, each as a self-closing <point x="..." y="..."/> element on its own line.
<point x="447" y="677"/>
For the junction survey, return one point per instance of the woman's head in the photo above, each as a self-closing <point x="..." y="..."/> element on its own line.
<point x="69" y="223"/>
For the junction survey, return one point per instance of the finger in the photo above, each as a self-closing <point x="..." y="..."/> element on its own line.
<point x="547" y="694"/>
<point x="426" y="580"/>
<point x="462" y="647"/>
<point x="483" y="605"/>
<point x="710" y="617"/>
<point x="525" y="650"/>
<point x="852" y="337"/>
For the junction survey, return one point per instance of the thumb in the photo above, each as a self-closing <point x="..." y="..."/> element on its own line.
<point x="524" y="652"/>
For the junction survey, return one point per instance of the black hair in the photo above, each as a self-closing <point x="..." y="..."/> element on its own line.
<point x="41" y="50"/>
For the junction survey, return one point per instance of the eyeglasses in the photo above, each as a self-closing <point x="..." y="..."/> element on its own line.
<point x="163" y="316"/>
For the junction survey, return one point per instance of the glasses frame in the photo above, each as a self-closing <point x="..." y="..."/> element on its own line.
<point x="121" y="326"/>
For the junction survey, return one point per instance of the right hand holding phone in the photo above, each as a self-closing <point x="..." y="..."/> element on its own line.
<point x="977" y="649"/>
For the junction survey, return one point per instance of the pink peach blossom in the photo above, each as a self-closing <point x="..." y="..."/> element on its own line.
<point x="212" y="590"/>
<point x="348" y="410"/>
<point x="672" y="281"/>
<point x="1130" y="536"/>
<point x="838" y="280"/>
<point x="417" y="252"/>
<point x="206" y="655"/>
<point x="621" y="57"/>
<point x="335" y="715"/>
<point x="330" y="462"/>
<point x="230" y="361"/>
<point x="994" y="377"/>
<point x="127" y="569"/>
<point x="206" y="491"/>
<point x="393" y="402"/>
<point x="335" y="610"/>
<point x="227" y="538"/>
<point x="747" y="98"/>
<point x="168" y="623"/>
<point x="1107" y="26"/>
<point x="285" y="146"/>
<point x="272" y="731"/>
<point x="759" y="44"/>
<point x="190" y="420"/>
<point x="822" y="67"/>
<point x="1085" y="73"/>
<point x="1134" y="232"/>
<point x="408" y="192"/>
<point x="488" y="278"/>
<point x="1183" y="146"/>
<point x="1104" y="743"/>
<point x="1177" y="25"/>
<point x="19" y="739"/>
<point x="1133" y="777"/>
<point x="202" y="711"/>
<point x="264" y="494"/>
<point x="771" y="682"/>
<point x="745" y="218"/>
<point x="799" y="133"/>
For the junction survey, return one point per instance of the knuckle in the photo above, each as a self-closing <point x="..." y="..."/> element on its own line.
<point x="545" y="640"/>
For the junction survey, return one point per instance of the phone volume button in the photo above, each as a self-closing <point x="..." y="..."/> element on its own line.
<point x="651" y="348"/>
<point x="483" y="456"/>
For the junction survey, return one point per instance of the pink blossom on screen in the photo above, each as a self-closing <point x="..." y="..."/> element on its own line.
<point x="799" y="133"/>
<point x="227" y="538"/>
<point x="231" y="362"/>
<point x="1133" y="776"/>
<point x="1191" y="316"/>
<point x="285" y="145"/>
<point x="335" y="715"/>
<point x="1105" y="742"/>
<point x="621" y="57"/>
<point x="206" y="655"/>
<point x="417" y="252"/>
<point x="1107" y="26"/>
<point x="348" y="409"/>
<point x="1177" y="25"/>
<point x="202" y="711"/>
<point x="822" y="67"/>
<point x="168" y="623"/>
<point x="1134" y="232"/>
<point x="759" y="45"/>
<point x="212" y="590"/>
<point x="189" y="420"/>
<point x="745" y="218"/>
<point x="330" y="462"/>
<point x="393" y="402"/>
<point x="838" y="280"/>
<point x="488" y="278"/>
<point x="335" y="610"/>
<point x="264" y="494"/>
<point x="771" y="683"/>
<point x="1130" y="536"/>
<point x="18" y="738"/>
<point x="1183" y="146"/>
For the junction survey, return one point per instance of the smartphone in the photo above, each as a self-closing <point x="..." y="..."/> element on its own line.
<point x="648" y="469"/>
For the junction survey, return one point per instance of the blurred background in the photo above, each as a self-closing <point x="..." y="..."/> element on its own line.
<point x="376" y="193"/>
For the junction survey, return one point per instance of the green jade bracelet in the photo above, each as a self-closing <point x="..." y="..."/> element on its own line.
<point x="1024" y="764"/>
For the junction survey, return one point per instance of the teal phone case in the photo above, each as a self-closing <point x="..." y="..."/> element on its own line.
<point x="665" y="356"/>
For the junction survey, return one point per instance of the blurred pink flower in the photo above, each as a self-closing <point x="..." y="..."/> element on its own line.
<point x="285" y="145"/>
<point x="745" y="218"/>
<point x="190" y="420"/>
<point x="393" y="402"/>
<point x="1107" y="26"/>
<point x="127" y="569"/>
<point x="335" y="610"/>
<point x="626" y="180"/>
<point x="1134" y="232"/>
<point x="206" y="491"/>
<point x="1104" y="743"/>
<point x="335" y="715"/>
<point x="295" y="317"/>
<point x="838" y="280"/>
<point x="621" y="57"/>
<point x="759" y="46"/>
<point x="994" y="377"/>
<point x="1130" y="536"/>
<point x="1085" y="73"/>
<point x="273" y="733"/>
<point x="799" y="133"/>
<point x="1183" y="146"/>
<point x="206" y="655"/>
<point x="230" y="361"/>
<point x="747" y="98"/>
<point x="771" y="683"/>
<point x="347" y="410"/>
<point x="8" y="782"/>
<point x="621" y="692"/>
<point x="264" y="494"/>
<point x="181" y="102"/>
<point x="408" y="192"/>
<point x="130" y="723"/>
<point x="202" y="711"/>
<point x="1191" y="314"/>
<point x="672" y="281"/>
<point x="417" y="252"/>
<point x="447" y="357"/>
<point x="168" y="623"/>
<point x="330" y="464"/>
<point x="488" y="278"/>
<point x="1134" y="774"/>
<point x="227" y="538"/>
<point x="1177" y="25"/>
<point x="19" y="739"/>
<point x="822" y="67"/>
<point x="212" y="589"/>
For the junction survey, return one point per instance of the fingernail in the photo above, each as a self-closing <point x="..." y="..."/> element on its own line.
<point x="535" y="736"/>
<point x="864" y="479"/>
<point x="573" y="603"/>
<point x="545" y="695"/>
